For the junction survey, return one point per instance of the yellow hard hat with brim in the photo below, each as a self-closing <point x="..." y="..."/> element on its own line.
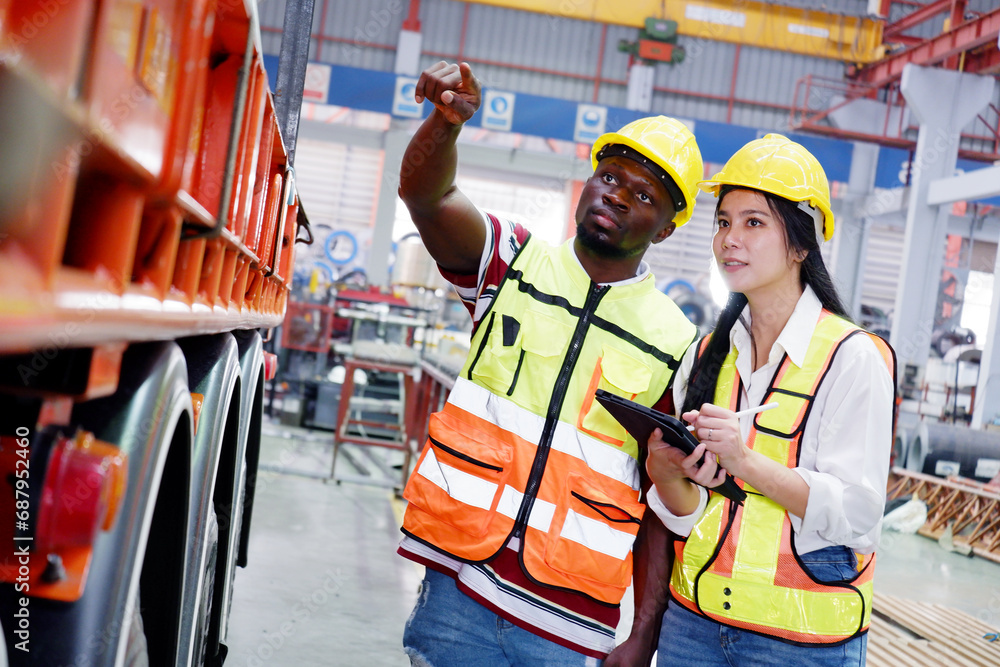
<point x="672" y="152"/>
<point x="782" y="167"/>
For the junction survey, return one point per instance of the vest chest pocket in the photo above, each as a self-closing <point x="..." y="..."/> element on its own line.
<point x="595" y="539"/>
<point x="786" y="420"/>
<point x="461" y="475"/>
<point x="618" y="373"/>
<point x="531" y="347"/>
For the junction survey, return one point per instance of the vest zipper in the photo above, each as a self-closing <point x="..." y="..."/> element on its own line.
<point x="594" y="295"/>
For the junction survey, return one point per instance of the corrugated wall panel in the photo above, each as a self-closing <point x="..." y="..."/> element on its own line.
<point x="883" y="265"/>
<point x="770" y="76"/>
<point x="270" y="42"/>
<point x="694" y="108"/>
<point x="374" y="22"/>
<point x="340" y="183"/>
<point x="272" y="15"/>
<point x="707" y="68"/>
<point x="769" y="119"/>
<point x="687" y="253"/>
<point x="535" y="83"/>
<point x="615" y="65"/>
<point x="611" y="95"/>
<point x="532" y="40"/>
<point x="441" y="25"/>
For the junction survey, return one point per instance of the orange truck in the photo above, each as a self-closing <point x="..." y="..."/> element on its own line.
<point x="148" y="215"/>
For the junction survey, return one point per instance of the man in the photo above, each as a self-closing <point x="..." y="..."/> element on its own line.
<point x="525" y="503"/>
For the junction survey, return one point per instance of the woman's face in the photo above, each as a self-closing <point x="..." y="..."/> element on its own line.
<point x="751" y="247"/>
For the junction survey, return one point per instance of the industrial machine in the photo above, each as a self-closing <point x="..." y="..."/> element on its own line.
<point x="148" y="216"/>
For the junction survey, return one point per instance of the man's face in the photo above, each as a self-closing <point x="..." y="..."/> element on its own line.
<point x="622" y="209"/>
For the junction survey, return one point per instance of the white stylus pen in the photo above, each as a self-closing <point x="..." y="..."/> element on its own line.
<point x="750" y="411"/>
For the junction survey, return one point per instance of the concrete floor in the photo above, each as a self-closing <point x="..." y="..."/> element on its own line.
<point x="324" y="585"/>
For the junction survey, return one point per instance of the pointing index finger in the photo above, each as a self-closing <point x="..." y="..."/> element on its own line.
<point x="468" y="78"/>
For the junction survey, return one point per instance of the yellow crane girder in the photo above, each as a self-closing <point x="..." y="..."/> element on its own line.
<point x="853" y="39"/>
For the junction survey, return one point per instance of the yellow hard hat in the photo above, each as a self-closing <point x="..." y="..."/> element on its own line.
<point x="670" y="146"/>
<point x="778" y="165"/>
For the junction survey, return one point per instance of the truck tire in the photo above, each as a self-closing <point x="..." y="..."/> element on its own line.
<point x="204" y="615"/>
<point x="136" y="650"/>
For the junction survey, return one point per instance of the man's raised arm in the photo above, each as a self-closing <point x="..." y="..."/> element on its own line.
<point x="451" y="227"/>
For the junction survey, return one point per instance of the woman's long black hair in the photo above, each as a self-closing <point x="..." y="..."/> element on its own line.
<point x="800" y="235"/>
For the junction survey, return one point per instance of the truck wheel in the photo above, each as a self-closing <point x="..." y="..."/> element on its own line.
<point x="235" y="531"/>
<point x="136" y="651"/>
<point x="204" y="615"/>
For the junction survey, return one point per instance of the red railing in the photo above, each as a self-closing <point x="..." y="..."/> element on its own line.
<point x="816" y="99"/>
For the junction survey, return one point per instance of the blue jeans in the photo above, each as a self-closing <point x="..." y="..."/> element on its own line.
<point x="448" y="628"/>
<point x="689" y="639"/>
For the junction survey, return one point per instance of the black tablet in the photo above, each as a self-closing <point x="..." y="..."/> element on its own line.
<point x="640" y="421"/>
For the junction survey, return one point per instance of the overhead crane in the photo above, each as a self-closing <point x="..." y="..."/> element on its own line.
<point x="811" y="32"/>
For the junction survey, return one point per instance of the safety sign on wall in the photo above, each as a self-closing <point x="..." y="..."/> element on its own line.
<point x="590" y="122"/>
<point x="317" y="85"/>
<point x="403" y="103"/>
<point x="498" y="110"/>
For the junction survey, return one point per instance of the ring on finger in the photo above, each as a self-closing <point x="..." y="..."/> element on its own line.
<point x="709" y="434"/>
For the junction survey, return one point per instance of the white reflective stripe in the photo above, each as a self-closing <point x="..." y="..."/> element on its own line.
<point x="598" y="455"/>
<point x="597" y="535"/>
<point x="486" y="405"/>
<point x="510" y="502"/>
<point x="541" y="515"/>
<point x="541" y="511"/>
<point x="458" y="484"/>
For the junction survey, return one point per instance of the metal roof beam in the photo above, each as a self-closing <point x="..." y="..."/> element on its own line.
<point x="970" y="35"/>
<point x="917" y="16"/>
<point x="986" y="61"/>
<point x="970" y="186"/>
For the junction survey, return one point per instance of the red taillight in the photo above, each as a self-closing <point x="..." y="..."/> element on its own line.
<point x="270" y="365"/>
<point x="83" y="489"/>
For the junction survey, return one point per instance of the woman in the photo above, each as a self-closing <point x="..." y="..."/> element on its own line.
<point x="784" y="578"/>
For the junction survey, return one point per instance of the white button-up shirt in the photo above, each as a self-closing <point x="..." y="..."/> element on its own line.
<point x="844" y="449"/>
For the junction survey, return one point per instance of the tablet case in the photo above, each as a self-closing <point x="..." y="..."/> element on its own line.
<point x="641" y="421"/>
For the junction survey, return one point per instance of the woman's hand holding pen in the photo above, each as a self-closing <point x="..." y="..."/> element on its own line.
<point x="718" y="429"/>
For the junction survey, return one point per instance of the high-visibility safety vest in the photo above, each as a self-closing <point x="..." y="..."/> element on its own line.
<point x="739" y="565"/>
<point x="522" y="449"/>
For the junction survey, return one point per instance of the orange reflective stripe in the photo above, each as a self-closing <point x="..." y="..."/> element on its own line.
<point x="888" y="354"/>
<point x="586" y="407"/>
